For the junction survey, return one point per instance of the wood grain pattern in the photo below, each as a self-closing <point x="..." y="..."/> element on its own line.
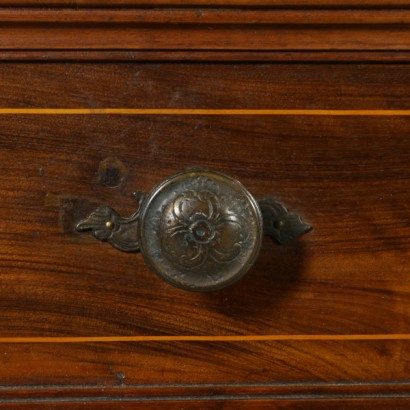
<point x="347" y="175"/>
<point x="321" y="28"/>
<point x="199" y="368"/>
<point x="214" y="338"/>
<point x="228" y="403"/>
<point x="177" y="86"/>
<point x="225" y="3"/>
<point x="323" y="323"/>
<point x="205" y="16"/>
<point x="206" y="55"/>
<point x="390" y="238"/>
<point x="48" y="36"/>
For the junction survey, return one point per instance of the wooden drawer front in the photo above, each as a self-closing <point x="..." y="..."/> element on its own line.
<point x="328" y="315"/>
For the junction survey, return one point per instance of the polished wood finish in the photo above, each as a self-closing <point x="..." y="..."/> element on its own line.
<point x="374" y="28"/>
<point x="206" y="55"/>
<point x="223" y="3"/>
<point x="203" y="30"/>
<point x="303" y="99"/>
<point x="206" y="16"/>
<point x="229" y="403"/>
<point x="225" y="30"/>
<point x="326" y="317"/>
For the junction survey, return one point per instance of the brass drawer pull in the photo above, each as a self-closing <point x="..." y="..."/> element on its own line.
<point x="199" y="230"/>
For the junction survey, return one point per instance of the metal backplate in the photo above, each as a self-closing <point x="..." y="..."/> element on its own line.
<point x="200" y="230"/>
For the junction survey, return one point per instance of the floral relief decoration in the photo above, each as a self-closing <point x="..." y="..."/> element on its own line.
<point x="196" y="229"/>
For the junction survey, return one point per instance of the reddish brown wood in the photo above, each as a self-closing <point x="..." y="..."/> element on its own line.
<point x="214" y="56"/>
<point x="185" y="3"/>
<point x="93" y="366"/>
<point x="173" y="85"/>
<point x="244" y="404"/>
<point x="206" y="16"/>
<point x="207" y="29"/>
<point x="371" y="197"/>
<point x="307" y="30"/>
<point x="334" y="306"/>
<point x="125" y="36"/>
<point x="348" y="176"/>
<point x="258" y="404"/>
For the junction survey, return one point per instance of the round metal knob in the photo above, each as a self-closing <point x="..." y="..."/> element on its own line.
<point x="199" y="230"/>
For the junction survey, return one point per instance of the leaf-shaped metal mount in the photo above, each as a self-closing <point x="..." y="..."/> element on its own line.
<point x="107" y="225"/>
<point x="278" y="223"/>
<point x="199" y="230"/>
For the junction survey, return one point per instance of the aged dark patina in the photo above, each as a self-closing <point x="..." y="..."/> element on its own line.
<point x="199" y="230"/>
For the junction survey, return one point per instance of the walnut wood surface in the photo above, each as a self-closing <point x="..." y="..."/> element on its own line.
<point x="185" y="3"/>
<point x="227" y="403"/>
<point x="278" y="27"/>
<point x="206" y="55"/>
<point x="348" y="176"/>
<point x="333" y="309"/>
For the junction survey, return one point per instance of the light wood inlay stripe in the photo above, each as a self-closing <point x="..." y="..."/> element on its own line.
<point x="183" y="111"/>
<point x="240" y="338"/>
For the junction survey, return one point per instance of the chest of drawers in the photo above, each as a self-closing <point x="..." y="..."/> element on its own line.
<point x="303" y="100"/>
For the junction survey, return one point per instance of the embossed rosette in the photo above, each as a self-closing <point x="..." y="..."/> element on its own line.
<point x="195" y="229"/>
